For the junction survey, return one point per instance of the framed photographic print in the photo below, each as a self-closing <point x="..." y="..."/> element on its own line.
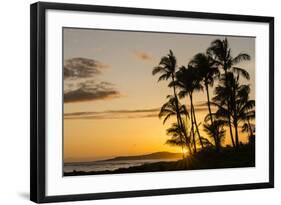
<point x="129" y="102"/>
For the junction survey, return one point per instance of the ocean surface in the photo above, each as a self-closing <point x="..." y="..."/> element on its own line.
<point x="108" y="165"/>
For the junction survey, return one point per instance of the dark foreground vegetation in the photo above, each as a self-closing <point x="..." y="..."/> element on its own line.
<point x="207" y="159"/>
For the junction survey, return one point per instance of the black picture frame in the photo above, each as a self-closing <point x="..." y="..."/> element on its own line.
<point x="38" y="103"/>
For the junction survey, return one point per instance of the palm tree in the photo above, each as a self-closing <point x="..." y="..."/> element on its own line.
<point x="177" y="139"/>
<point x="240" y="104"/>
<point x="188" y="81"/>
<point x="167" y="68"/>
<point x="239" y="107"/>
<point x="224" y="99"/>
<point x="220" y="52"/>
<point x="245" y="107"/>
<point x="222" y="114"/>
<point x="216" y="131"/>
<point x="247" y="126"/>
<point x="168" y="110"/>
<point x="208" y="70"/>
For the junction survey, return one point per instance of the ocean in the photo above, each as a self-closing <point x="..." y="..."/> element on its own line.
<point x="108" y="165"/>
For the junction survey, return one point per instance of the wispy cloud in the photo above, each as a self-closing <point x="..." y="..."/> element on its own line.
<point x="201" y="107"/>
<point x="81" y="68"/>
<point x="101" y="65"/>
<point x="142" y="55"/>
<point x="114" y="114"/>
<point x="123" y="114"/>
<point x="81" y="81"/>
<point x="90" y="90"/>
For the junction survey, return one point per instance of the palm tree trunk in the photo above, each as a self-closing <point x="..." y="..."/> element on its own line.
<point x="236" y="134"/>
<point x="195" y="122"/>
<point x="192" y="130"/>
<point x="235" y="121"/>
<point x="236" y="130"/>
<point x="197" y="128"/>
<point x="211" y="116"/>
<point x="228" y="114"/>
<point x="182" y="151"/>
<point x="230" y="130"/>
<point x="179" y="120"/>
<point x="189" y="149"/>
<point x="209" y="104"/>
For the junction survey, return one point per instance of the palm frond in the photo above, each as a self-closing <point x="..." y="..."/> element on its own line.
<point x="247" y="106"/>
<point x="241" y="57"/>
<point x="166" y="118"/>
<point x="242" y="72"/>
<point x="163" y="77"/>
<point x="175" y="142"/>
<point x="157" y="69"/>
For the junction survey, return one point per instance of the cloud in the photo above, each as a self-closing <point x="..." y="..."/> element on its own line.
<point x="89" y="91"/>
<point x="101" y="65"/>
<point x="82" y="68"/>
<point x="201" y="106"/>
<point x="114" y="114"/>
<point x="123" y="113"/>
<point x="81" y="81"/>
<point x="142" y="55"/>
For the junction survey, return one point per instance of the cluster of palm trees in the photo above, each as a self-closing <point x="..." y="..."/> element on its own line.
<point x="229" y="109"/>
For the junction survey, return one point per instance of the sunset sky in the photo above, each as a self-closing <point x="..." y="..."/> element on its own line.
<point x="111" y="99"/>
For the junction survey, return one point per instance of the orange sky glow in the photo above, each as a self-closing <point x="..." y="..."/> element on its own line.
<point x="111" y="108"/>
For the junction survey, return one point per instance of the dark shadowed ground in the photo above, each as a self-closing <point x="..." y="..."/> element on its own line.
<point x="208" y="159"/>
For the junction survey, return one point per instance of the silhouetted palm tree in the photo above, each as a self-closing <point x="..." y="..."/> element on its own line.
<point x="188" y="81"/>
<point x="239" y="107"/>
<point x="167" y="68"/>
<point x="208" y="71"/>
<point x="247" y="126"/>
<point x="169" y="109"/>
<point x="245" y="107"/>
<point x="177" y="137"/>
<point x="216" y="131"/>
<point x="221" y="54"/>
